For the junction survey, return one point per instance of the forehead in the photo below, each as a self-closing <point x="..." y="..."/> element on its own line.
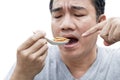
<point x="68" y="3"/>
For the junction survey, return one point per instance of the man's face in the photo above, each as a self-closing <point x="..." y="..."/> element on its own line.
<point x="71" y="18"/>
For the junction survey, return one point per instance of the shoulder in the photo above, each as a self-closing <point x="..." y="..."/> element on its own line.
<point x="109" y="50"/>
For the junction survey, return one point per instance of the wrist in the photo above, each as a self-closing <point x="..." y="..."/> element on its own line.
<point x="21" y="75"/>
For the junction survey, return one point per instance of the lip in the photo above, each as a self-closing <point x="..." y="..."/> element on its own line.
<point x="70" y="35"/>
<point x="71" y="46"/>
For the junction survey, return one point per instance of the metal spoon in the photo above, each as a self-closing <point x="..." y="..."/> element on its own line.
<point x="57" y="42"/>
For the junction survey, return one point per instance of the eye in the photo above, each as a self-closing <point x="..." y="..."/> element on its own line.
<point x="58" y="16"/>
<point x="79" y="15"/>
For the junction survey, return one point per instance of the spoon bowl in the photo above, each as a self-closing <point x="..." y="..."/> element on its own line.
<point x="53" y="42"/>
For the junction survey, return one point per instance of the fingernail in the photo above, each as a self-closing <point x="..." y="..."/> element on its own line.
<point x="84" y="34"/>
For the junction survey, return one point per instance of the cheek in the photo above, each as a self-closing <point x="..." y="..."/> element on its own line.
<point x="83" y="28"/>
<point x="86" y="25"/>
<point x="90" y="40"/>
<point x="55" y="30"/>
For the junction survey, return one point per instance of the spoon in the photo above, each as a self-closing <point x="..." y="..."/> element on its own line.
<point x="57" y="42"/>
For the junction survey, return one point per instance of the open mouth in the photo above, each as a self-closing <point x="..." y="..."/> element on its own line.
<point x="72" y="41"/>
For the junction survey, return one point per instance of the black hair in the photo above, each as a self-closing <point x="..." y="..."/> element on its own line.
<point x="98" y="4"/>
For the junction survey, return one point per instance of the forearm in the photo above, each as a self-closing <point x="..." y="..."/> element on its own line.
<point x="18" y="77"/>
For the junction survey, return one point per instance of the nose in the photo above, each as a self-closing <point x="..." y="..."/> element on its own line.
<point x="67" y="24"/>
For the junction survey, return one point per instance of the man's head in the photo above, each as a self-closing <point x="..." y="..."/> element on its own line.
<point x="70" y="19"/>
<point x="98" y="4"/>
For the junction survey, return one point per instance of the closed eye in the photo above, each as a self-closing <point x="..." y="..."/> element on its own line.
<point x="79" y="15"/>
<point x="58" y="16"/>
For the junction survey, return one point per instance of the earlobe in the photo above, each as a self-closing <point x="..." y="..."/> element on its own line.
<point x="102" y="18"/>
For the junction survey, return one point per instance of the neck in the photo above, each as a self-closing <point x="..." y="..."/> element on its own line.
<point x="78" y="66"/>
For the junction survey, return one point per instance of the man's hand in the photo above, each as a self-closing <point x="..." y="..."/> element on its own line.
<point x="109" y="30"/>
<point x="30" y="57"/>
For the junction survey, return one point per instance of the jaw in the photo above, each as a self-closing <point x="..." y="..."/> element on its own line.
<point x="79" y="54"/>
<point x="78" y="47"/>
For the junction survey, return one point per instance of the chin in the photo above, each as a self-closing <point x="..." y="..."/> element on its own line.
<point x="74" y="51"/>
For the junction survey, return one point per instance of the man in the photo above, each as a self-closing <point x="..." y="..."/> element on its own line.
<point x="80" y="59"/>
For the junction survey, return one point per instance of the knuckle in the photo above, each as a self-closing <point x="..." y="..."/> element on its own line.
<point x="40" y="60"/>
<point x="116" y="36"/>
<point x="32" y="58"/>
<point x="19" y="49"/>
<point x="37" y="36"/>
<point x="24" y="53"/>
<point x="103" y="36"/>
<point x="32" y="39"/>
<point x="112" y="39"/>
<point x="96" y="28"/>
<point x="42" y="41"/>
<point x="45" y="46"/>
<point x="38" y="45"/>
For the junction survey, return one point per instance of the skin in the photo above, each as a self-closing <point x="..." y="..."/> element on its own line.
<point x="109" y="31"/>
<point x="67" y="21"/>
<point x="30" y="57"/>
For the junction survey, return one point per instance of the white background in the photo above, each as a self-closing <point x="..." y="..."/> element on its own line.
<point x="18" y="20"/>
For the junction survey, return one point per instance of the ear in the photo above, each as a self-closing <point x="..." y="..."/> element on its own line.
<point x="101" y="18"/>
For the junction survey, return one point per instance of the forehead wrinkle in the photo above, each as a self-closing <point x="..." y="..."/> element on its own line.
<point x="66" y="5"/>
<point x="63" y="4"/>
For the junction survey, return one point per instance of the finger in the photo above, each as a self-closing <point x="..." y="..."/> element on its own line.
<point x="106" y="29"/>
<point x="41" y="54"/>
<point x="115" y="35"/>
<point x="41" y="51"/>
<point x="110" y="32"/>
<point x="36" y="46"/>
<point x="30" y="41"/>
<point x="43" y="57"/>
<point x="105" y="33"/>
<point x="111" y="36"/>
<point x="96" y="28"/>
<point x="106" y="43"/>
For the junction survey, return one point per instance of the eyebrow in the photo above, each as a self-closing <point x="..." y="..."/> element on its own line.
<point x="78" y="8"/>
<point x="73" y="7"/>
<point x="56" y="9"/>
